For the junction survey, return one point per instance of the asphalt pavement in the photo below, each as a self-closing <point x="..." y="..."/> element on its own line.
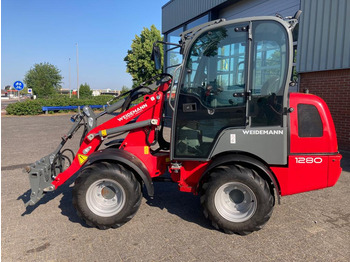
<point x="312" y="226"/>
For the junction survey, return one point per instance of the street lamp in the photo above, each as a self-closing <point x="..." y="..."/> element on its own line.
<point x="77" y="71"/>
<point x="70" y="90"/>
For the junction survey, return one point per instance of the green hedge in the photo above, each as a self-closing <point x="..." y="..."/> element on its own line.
<point x="33" y="107"/>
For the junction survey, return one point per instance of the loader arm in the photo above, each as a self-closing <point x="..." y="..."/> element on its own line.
<point x="110" y="127"/>
<point x="41" y="175"/>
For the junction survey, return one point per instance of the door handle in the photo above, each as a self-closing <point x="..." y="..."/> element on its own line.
<point x="239" y="94"/>
<point x="189" y="107"/>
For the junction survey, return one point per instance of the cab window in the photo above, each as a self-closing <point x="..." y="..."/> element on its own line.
<point x="212" y="94"/>
<point x="269" y="65"/>
<point x="215" y="70"/>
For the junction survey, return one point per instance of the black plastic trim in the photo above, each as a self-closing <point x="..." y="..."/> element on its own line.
<point x="127" y="159"/>
<point x="314" y="154"/>
<point x="236" y="158"/>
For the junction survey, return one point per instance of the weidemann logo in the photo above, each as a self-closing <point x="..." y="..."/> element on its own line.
<point x="132" y="113"/>
<point x="263" y="132"/>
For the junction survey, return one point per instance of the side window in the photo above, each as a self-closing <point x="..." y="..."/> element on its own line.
<point x="269" y="67"/>
<point x="173" y="56"/>
<point x="230" y="71"/>
<point x="309" y="121"/>
<point x="216" y="67"/>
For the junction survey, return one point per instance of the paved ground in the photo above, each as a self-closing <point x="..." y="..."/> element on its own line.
<point x="313" y="226"/>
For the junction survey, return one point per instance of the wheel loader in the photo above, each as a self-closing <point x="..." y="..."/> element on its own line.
<point x="239" y="139"/>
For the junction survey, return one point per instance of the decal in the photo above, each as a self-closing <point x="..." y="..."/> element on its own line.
<point x="104" y="132"/>
<point x="263" y="132"/>
<point x="233" y="138"/>
<point x="146" y="150"/>
<point x="132" y="113"/>
<point x="308" y="160"/>
<point x="86" y="150"/>
<point x="82" y="159"/>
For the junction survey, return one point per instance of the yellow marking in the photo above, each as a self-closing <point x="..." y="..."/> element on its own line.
<point x="82" y="159"/>
<point x="146" y="150"/>
<point x="104" y="132"/>
<point x="167" y="160"/>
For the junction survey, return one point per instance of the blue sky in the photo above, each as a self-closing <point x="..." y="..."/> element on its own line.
<point x="47" y="31"/>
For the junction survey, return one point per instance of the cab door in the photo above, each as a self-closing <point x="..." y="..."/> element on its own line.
<point x="211" y="95"/>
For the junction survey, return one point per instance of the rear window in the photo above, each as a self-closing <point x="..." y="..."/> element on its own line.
<point x="309" y="121"/>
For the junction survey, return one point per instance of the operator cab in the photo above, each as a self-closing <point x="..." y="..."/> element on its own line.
<point x="234" y="76"/>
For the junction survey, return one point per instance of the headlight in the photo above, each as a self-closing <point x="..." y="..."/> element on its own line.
<point x="90" y="122"/>
<point x="86" y="110"/>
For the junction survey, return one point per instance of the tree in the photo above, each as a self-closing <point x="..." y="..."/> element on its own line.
<point x="44" y="79"/>
<point x="85" y="91"/>
<point x="124" y="89"/>
<point x="24" y="91"/>
<point x="138" y="60"/>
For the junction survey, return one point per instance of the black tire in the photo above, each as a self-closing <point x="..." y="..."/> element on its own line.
<point x="236" y="199"/>
<point x="106" y="195"/>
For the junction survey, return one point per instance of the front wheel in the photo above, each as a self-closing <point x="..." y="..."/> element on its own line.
<point x="237" y="200"/>
<point x="106" y="195"/>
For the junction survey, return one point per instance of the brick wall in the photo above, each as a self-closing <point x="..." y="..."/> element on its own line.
<point x="333" y="87"/>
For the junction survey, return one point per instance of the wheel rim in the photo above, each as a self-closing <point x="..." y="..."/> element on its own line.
<point x="235" y="202"/>
<point x="105" y="197"/>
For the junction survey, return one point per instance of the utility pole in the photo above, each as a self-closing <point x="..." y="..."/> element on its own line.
<point x="70" y="90"/>
<point x="77" y="71"/>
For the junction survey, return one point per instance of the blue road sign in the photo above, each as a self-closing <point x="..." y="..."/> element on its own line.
<point x="18" y="85"/>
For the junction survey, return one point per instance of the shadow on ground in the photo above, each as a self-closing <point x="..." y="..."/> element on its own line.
<point x="66" y="206"/>
<point x="167" y="198"/>
<point x="184" y="205"/>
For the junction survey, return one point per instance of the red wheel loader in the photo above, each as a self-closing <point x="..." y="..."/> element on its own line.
<point x="238" y="138"/>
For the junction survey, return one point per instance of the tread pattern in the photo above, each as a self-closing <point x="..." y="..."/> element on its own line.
<point x="222" y="174"/>
<point x="117" y="172"/>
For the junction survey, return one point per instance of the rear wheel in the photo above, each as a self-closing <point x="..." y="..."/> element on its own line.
<point x="237" y="200"/>
<point x="106" y="195"/>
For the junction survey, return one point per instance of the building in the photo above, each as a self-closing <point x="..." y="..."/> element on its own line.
<point x="110" y="92"/>
<point x="322" y="43"/>
<point x="105" y="92"/>
<point x="94" y="92"/>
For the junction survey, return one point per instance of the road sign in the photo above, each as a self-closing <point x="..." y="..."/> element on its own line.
<point x="18" y="85"/>
<point x="30" y="91"/>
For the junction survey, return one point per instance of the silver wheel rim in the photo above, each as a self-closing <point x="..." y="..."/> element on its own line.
<point x="105" y="197"/>
<point x="235" y="202"/>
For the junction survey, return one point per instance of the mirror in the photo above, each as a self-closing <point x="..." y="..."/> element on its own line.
<point x="156" y="57"/>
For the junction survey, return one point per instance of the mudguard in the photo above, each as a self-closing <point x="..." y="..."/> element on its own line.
<point x="126" y="158"/>
<point x="247" y="160"/>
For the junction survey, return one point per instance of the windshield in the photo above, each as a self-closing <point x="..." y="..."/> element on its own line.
<point x="216" y="67"/>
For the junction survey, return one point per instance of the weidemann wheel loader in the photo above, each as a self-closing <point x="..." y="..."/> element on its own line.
<point x="239" y="139"/>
